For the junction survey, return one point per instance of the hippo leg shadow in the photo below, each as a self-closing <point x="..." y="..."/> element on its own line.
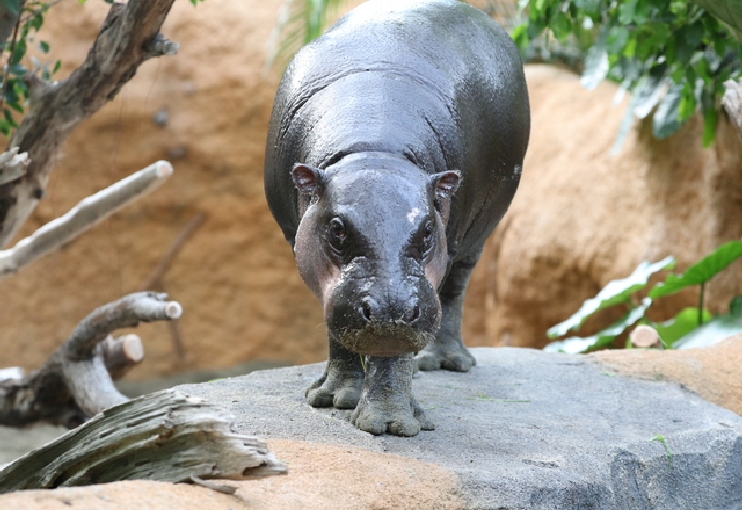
<point x="447" y="351"/>
<point x="387" y="404"/>
<point x="340" y="385"/>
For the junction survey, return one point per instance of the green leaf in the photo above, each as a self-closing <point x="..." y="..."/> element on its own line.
<point x="617" y="291"/>
<point x="712" y="332"/>
<point x="604" y="337"/>
<point x="647" y="92"/>
<point x="735" y="306"/>
<point x="57" y="65"/>
<point x="44" y="46"/>
<point x="13" y="6"/>
<point x="596" y="65"/>
<point x="700" y="272"/>
<point x="683" y="323"/>
<point x="666" y="120"/>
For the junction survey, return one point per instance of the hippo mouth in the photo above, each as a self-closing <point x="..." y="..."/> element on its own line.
<point x="384" y="339"/>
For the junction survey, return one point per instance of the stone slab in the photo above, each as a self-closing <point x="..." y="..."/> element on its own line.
<point x="527" y="429"/>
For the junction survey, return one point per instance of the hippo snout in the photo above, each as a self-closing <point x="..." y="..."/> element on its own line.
<point x="407" y="312"/>
<point x="388" y="322"/>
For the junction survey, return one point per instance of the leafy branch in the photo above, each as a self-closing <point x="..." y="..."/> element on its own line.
<point x="682" y="331"/>
<point x="673" y="57"/>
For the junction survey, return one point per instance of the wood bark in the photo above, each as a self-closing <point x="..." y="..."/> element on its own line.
<point x="165" y="436"/>
<point x="75" y="383"/>
<point x="128" y="37"/>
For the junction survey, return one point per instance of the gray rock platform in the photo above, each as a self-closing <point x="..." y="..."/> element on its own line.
<point x="527" y="429"/>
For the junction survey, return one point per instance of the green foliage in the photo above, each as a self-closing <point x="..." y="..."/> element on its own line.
<point x="673" y="56"/>
<point x="690" y="327"/>
<point x="14" y="88"/>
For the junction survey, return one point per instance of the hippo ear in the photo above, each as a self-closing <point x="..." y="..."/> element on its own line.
<point x="445" y="184"/>
<point x="307" y="179"/>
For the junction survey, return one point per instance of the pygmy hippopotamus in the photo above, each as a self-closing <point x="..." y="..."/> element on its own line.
<point x="394" y="149"/>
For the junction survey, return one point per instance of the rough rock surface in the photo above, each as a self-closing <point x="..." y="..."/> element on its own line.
<point x="524" y="429"/>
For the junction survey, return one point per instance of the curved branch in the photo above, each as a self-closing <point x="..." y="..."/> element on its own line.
<point x="128" y="37"/>
<point x="75" y="383"/>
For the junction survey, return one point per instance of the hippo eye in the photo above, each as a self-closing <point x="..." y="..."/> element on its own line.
<point x="428" y="238"/>
<point x="337" y="229"/>
<point x="337" y="235"/>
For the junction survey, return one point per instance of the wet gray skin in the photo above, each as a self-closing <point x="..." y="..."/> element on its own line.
<point x="395" y="147"/>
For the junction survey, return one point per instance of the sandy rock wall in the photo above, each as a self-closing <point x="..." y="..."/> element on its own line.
<point x="583" y="216"/>
<point x="235" y="276"/>
<point x="580" y="218"/>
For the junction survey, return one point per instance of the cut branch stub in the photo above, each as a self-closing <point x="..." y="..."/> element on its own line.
<point x="165" y="436"/>
<point x="77" y="380"/>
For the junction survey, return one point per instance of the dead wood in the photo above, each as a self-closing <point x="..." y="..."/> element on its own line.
<point x="165" y="436"/>
<point x="84" y="215"/>
<point x="128" y="37"/>
<point x="74" y="383"/>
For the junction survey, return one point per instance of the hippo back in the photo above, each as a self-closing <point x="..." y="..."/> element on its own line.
<point x="436" y="82"/>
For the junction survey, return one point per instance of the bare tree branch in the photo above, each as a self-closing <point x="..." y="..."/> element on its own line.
<point x="121" y="354"/>
<point x="84" y="215"/>
<point x="164" y="436"/>
<point x="128" y="37"/>
<point x="74" y="383"/>
<point x="13" y="165"/>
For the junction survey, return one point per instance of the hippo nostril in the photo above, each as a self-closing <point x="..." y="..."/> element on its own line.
<point x="415" y="314"/>
<point x="366" y="309"/>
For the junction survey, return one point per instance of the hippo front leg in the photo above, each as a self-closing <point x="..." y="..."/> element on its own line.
<point x="386" y="403"/>
<point x="447" y="350"/>
<point x="340" y="385"/>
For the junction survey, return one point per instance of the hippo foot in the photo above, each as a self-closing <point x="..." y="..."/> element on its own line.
<point x="339" y="387"/>
<point x="387" y="404"/>
<point x="451" y="355"/>
<point x="399" y="417"/>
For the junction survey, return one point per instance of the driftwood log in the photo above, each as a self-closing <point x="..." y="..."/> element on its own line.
<point x="165" y="436"/>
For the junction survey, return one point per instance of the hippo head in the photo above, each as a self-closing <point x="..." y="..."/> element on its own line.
<point x="371" y="245"/>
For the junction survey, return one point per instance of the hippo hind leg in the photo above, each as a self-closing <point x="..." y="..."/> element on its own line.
<point x="447" y="351"/>
<point x="387" y="404"/>
<point x="340" y="385"/>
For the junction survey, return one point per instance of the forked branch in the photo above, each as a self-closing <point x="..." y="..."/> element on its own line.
<point x="75" y="383"/>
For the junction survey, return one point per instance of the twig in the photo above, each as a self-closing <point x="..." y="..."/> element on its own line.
<point x="155" y="279"/>
<point x="84" y="215"/>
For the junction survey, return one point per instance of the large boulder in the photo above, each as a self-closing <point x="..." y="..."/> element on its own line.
<point x="524" y="429"/>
